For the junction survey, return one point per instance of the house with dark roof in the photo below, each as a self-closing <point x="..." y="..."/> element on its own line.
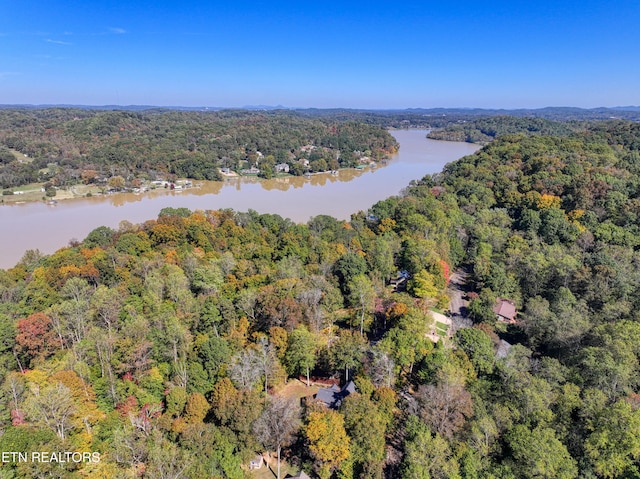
<point x="332" y="397"/>
<point x="505" y="310"/>
<point x="399" y="283"/>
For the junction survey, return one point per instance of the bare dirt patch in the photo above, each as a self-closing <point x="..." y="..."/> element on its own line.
<point x="297" y="389"/>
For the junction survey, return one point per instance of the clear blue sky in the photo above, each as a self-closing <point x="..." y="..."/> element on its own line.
<point x="503" y="54"/>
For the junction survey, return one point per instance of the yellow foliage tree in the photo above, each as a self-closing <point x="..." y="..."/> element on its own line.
<point x="424" y="285"/>
<point x="328" y="440"/>
<point x="548" y="201"/>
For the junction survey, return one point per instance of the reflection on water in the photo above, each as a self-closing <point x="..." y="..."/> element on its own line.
<point x="37" y="225"/>
<point x="203" y="188"/>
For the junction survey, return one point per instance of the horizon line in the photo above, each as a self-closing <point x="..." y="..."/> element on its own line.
<point x="282" y="107"/>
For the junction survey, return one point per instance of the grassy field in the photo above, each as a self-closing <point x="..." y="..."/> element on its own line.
<point x="33" y="192"/>
<point x="442" y="329"/>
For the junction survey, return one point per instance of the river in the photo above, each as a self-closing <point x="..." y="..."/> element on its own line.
<point x="40" y="226"/>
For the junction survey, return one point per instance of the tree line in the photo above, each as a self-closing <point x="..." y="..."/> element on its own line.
<point x="69" y="146"/>
<point x="485" y="130"/>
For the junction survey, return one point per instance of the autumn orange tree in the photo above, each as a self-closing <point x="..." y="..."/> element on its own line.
<point x="36" y="338"/>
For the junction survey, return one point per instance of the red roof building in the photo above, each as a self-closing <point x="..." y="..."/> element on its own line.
<point x="505" y="309"/>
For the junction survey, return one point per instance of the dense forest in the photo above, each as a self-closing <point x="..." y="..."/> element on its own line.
<point x="485" y="130"/>
<point x="63" y="147"/>
<point x="60" y="147"/>
<point x="428" y="118"/>
<point x="181" y="347"/>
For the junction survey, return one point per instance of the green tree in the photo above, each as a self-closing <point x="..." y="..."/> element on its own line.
<point x="215" y="451"/>
<point x="366" y="428"/>
<point x="213" y="353"/>
<point x="426" y="455"/>
<point x="382" y="256"/>
<point x="166" y="459"/>
<point x="300" y="356"/>
<point x="347" y="351"/>
<point x="478" y="347"/>
<point x="348" y="267"/>
<point x="539" y="453"/>
<point x="362" y="296"/>
<point x="613" y="446"/>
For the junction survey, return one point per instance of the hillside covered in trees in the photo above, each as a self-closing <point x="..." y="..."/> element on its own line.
<point x="485" y="130"/>
<point x="63" y="147"/>
<point x="172" y="347"/>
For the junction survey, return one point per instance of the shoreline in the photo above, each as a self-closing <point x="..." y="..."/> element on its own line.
<point x="36" y="225"/>
<point x="23" y="196"/>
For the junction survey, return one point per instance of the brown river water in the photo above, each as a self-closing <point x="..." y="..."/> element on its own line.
<point x="40" y="226"/>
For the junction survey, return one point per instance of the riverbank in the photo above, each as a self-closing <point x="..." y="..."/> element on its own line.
<point x="36" y="192"/>
<point x="36" y="225"/>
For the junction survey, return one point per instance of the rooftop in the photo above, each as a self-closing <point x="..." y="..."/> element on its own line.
<point x="334" y="395"/>
<point x="505" y="308"/>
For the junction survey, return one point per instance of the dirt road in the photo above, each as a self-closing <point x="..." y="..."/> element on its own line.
<point x="458" y="303"/>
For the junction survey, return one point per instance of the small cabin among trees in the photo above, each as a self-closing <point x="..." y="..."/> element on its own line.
<point x="505" y="310"/>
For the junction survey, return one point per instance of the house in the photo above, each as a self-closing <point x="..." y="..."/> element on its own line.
<point x="399" y="283"/>
<point x="505" y="310"/>
<point x="256" y="463"/>
<point x="282" y="168"/>
<point x="332" y="397"/>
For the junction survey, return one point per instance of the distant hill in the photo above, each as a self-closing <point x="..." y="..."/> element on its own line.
<point x="551" y="113"/>
<point x="486" y="129"/>
<point x="63" y="144"/>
